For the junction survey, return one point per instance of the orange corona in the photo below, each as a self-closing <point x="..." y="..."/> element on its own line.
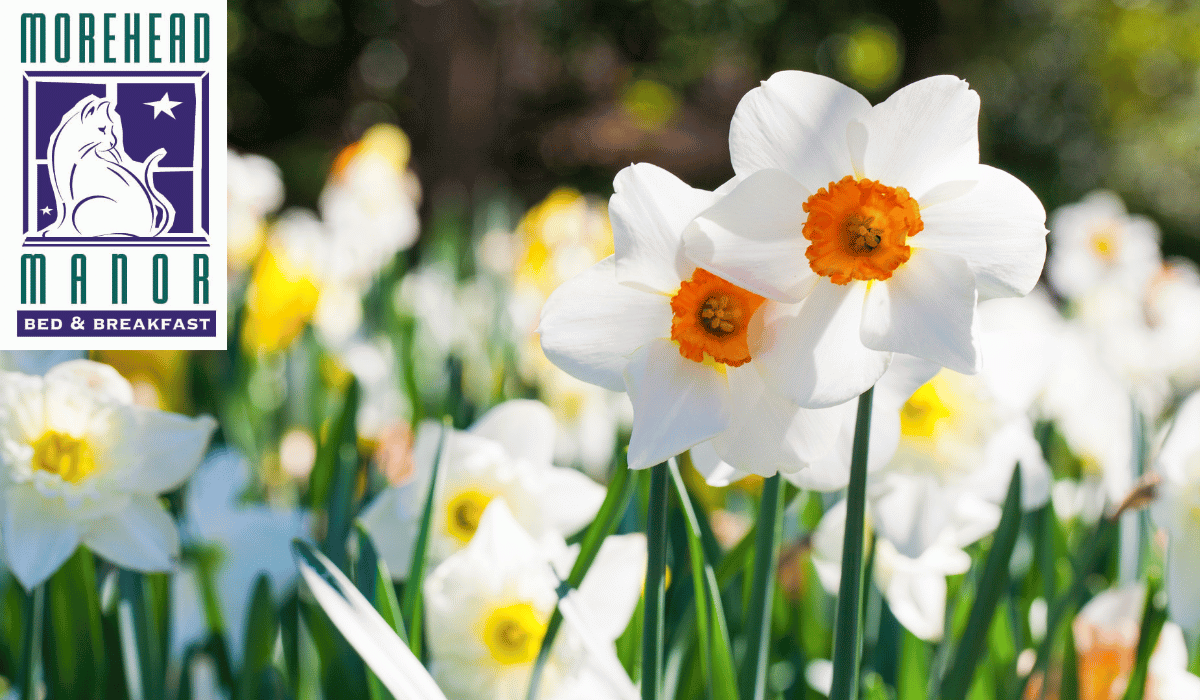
<point x="859" y="229"/>
<point x="711" y="316"/>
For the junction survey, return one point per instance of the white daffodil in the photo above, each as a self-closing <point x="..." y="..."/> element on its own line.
<point x="487" y="607"/>
<point x="1178" y="511"/>
<point x="1171" y="305"/>
<point x="246" y="541"/>
<point x="681" y="341"/>
<point x="1106" y="638"/>
<point x="878" y="222"/>
<point x="957" y="450"/>
<point x="255" y="190"/>
<point x="1095" y="241"/>
<point x="915" y="588"/>
<point x="82" y="465"/>
<point x="505" y="456"/>
<point x="369" y="204"/>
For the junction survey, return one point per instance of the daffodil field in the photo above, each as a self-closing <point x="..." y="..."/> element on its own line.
<point x="895" y="397"/>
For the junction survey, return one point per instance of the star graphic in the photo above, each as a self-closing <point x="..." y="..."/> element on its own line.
<point x="45" y="210"/>
<point x="163" y="106"/>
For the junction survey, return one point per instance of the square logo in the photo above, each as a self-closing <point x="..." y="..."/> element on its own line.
<point x="114" y="235"/>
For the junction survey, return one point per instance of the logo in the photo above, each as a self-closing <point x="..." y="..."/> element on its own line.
<point x="114" y="236"/>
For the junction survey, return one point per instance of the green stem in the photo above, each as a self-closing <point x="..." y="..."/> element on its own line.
<point x="752" y="685"/>
<point x="847" y="641"/>
<point x="655" y="594"/>
<point x="31" y="643"/>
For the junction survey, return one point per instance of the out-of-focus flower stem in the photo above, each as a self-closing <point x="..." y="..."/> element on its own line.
<point x="847" y="635"/>
<point x="753" y="681"/>
<point x="654" y="592"/>
<point x="31" y="643"/>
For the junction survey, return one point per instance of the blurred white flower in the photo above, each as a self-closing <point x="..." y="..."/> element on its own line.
<point x="678" y="339"/>
<point x="1094" y="242"/>
<point x="82" y="465"/>
<point x="879" y="219"/>
<point x="505" y="456"/>
<point x="369" y="204"/>
<point x="1178" y="511"/>
<point x="488" y="605"/>
<point x="957" y="449"/>
<point x="255" y="191"/>
<point x="915" y="588"/>
<point x="1171" y="310"/>
<point x="1106" y="634"/>
<point x="245" y="541"/>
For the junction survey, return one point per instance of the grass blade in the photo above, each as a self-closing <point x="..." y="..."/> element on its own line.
<point x="32" y="615"/>
<point x="847" y="641"/>
<point x="410" y="604"/>
<point x="75" y="661"/>
<point x="655" y="592"/>
<point x="1153" y="618"/>
<point x="340" y="453"/>
<point x="262" y="626"/>
<point x="616" y="500"/>
<point x="991" y="586"/>
<point x="140" y="643"/>
<point x="752" y="683"/>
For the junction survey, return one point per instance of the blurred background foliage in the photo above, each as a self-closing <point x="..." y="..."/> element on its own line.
<point x="526" y="95"/>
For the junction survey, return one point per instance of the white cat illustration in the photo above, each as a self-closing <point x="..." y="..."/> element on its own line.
<point x="100" y="190"/>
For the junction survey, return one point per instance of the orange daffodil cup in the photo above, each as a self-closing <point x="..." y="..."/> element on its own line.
<point x="876" y="227"/>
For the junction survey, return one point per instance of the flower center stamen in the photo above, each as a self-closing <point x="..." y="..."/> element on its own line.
<point x="69" y="457"/>
<point x="711" y="317"/>
<point x="859" y="229"/>
<point x="463" y="513"/>
<point x="513" y="634"/>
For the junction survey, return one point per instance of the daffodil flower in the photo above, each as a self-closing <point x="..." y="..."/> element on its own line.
<point x="505" y="456"/>
<point x="1095" y="241"/>
<point x="82" y="465"/>
<point x="487" y="608"/>
<point x="1106" y="634"/>
<point x="683" y="342"/>
<point x="878" y="222"/>
<point x="1178" y="511"/>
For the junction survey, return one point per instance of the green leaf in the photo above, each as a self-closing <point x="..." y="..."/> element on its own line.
<point x="32" y="616"/>
<point x="410" y="604"/>
<point x="74" y="641"/>
<point x="140" y="642"/>
<point x="1069" y="689"/>
<point x="716" y="656"/>
<point x="340" y="452"/>
<point x="262" y="626"/>
<point x="1153" y="618"/>
<point x="847" y="637"/>
<point x="752" y="682"/>
<point x="992" y="585"/>
<point x="913" y="673"/>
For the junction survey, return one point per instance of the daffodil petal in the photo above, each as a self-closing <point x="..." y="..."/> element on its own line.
<point x="796" y="122"/>
<point x="769" y="433"/>
<point x="141" y="536"/>
<point x="751" y="237"/>
<point x="525" y="428"/>
<point x="918" y="600"/>
<point x="569" y="500"/>
<point x="393" y="529"/>
<point x="1183" y="571"/>
<point x="926" y="309"/>
<point x="39" y="534"/>
<point x="910" y="510"/>
<point x="676" y="403"/>
<point x="157" y="450"/>
<point x="716" y="471"/>
<point x="649" y="211"/>
<point x="998" y="227"/>
<point x="592" y="324"/>
<point x="811" y="352"/>
<point x="611" y="589"/>
<point x="924" y="134"/>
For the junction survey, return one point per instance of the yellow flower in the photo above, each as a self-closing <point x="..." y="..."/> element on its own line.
<point x="280" y="301"/>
